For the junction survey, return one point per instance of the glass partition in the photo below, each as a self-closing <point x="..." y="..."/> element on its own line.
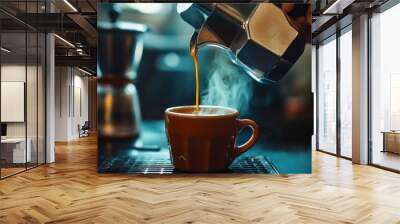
<point x="14" y="145"/>
<point x="22" y="90"/>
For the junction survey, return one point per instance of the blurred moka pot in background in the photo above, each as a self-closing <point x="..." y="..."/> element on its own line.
<point x="259" y="37"/>
<point x="120" y="48"/>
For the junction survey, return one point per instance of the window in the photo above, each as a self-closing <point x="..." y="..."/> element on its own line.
<point x="327" y="96"/>
<point x="346" y="93"/>
<point x="385" y="89"/>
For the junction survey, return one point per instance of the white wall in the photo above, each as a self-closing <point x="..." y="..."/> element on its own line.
<point x="33" y="127"/>
<point x="16" y="73"/>
<point x="71" y="94"/>
<point x="10" y="73"/>
<point x="62" y="81"/>
<point x="80" y="110"/>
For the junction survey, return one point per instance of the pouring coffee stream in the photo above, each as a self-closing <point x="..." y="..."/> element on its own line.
<point x="193" y="52"/>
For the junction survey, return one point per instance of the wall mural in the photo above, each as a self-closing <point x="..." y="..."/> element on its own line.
<point x="199" y="88"/>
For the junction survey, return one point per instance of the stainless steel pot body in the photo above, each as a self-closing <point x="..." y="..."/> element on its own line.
<point x="259" y="37"/>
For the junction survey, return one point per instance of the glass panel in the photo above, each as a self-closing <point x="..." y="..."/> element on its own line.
<point x="13" y="92"/>
<point x="31" y="98"/>
<point x="23" y="89"/>
<point x="41" y="99"/>
<point x="13" y="86"/>
<point x="32" y="88"/>
<point x="346" y="94"/>
<point x="327" y="96"/>
<point x="385" y="84"/>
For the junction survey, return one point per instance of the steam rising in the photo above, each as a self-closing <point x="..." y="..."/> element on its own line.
<point x="211" y="111"/>
<point x="227" y="86"/>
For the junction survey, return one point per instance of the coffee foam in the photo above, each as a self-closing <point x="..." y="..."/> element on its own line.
<point x="203" y="111"/>
<point x="210" y="111"/>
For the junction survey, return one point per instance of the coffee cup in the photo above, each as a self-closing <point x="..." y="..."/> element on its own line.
<point x="204" y="141"/>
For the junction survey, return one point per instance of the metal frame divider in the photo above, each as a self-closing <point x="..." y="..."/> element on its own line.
<point x="0" y="94"/>
<point x="316" y="98"/>
<point x="338" y="98"/>
<point x="26" y="87"/>
<point x="37" y="91"/>
<point x="369" y="77"/>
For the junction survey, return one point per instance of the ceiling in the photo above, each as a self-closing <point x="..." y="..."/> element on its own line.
<point x="74" y="22"/>
<point x="332" y="15"/>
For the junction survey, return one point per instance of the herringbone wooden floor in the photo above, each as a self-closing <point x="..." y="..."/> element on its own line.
<point x="70" y="191"/>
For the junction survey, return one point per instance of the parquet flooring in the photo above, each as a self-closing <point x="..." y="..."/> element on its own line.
<point x="10" y="171"/>
<point x="71" y="191"/>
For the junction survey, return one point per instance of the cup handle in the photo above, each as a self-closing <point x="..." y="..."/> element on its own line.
<point x="246" y="146"/>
